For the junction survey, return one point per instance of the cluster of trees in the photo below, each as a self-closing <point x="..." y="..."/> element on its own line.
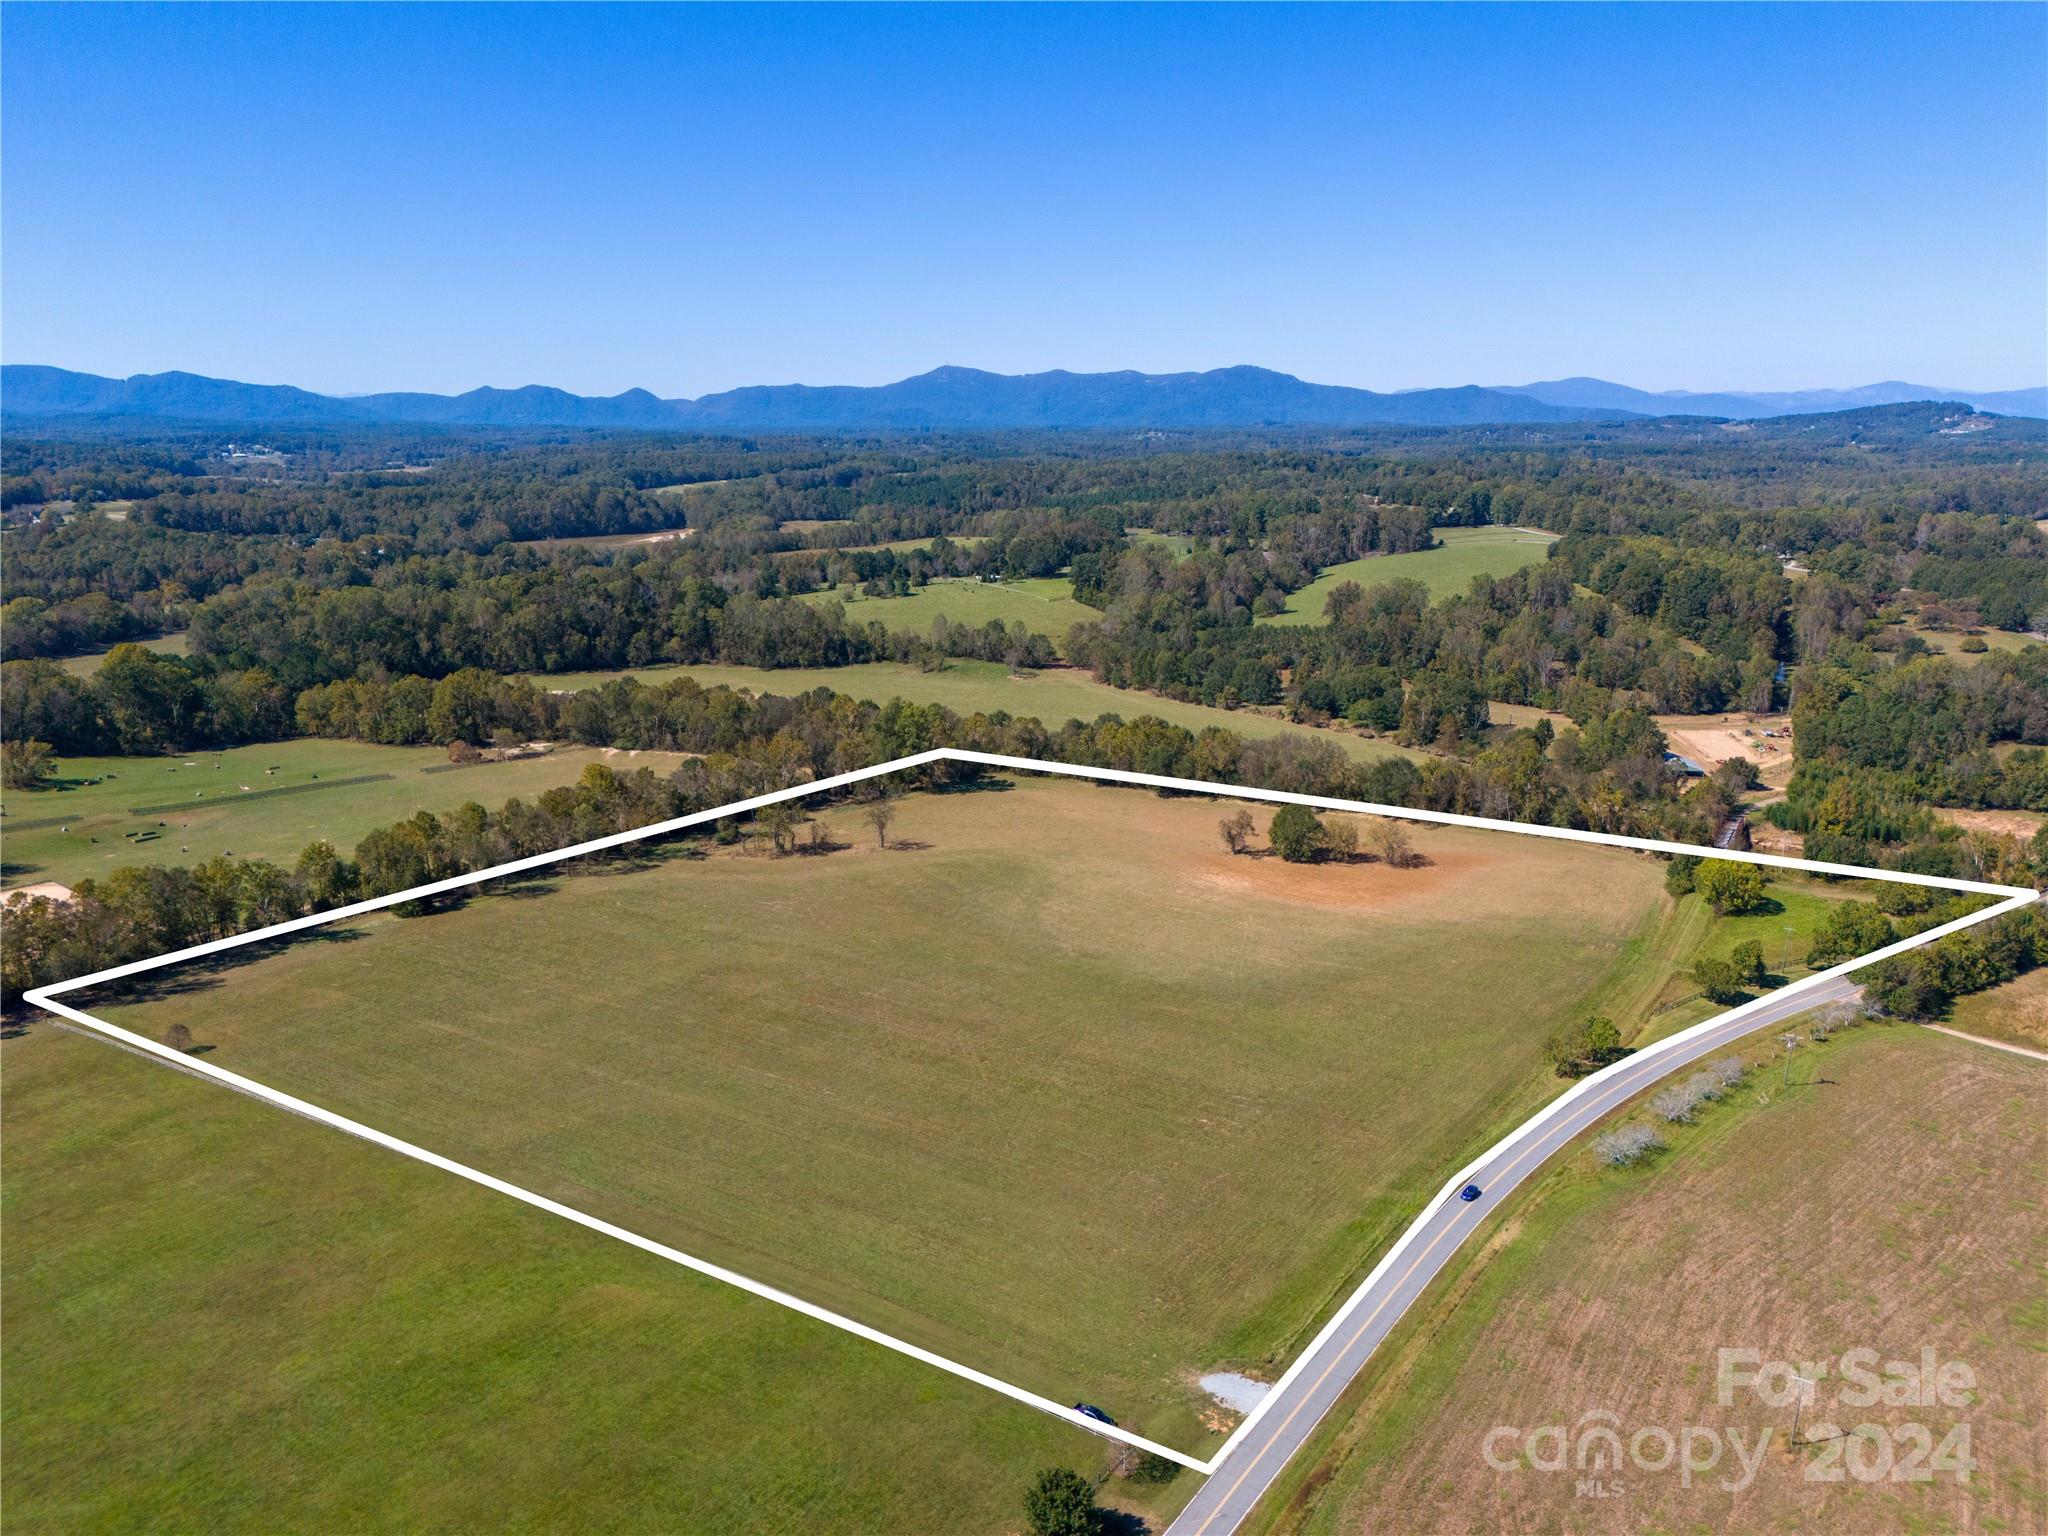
<point x="1585" y="1046"/>
<point x="1300" y="836"/>
<point x="1924" y="982"/>
<point x="1729" y="978"/>
<point x="1880" y="742"/>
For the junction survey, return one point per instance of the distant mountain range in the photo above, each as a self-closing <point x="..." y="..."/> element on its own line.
<point x="1745" y="405"/>
<point x="946" y="399"/>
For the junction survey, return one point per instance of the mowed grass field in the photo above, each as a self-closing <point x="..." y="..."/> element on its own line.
<point x="1044" y="605"/>
<point x="1054" y="696"/>
<point x="339" y="790"/>
<point x="1446" y="570"/>
<point x="1056" y="1087"/>
<point x="1892" y="1198"/>
<point x="222" y="1318"/>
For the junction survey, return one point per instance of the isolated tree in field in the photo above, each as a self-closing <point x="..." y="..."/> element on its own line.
<point x="178" y="1038"/>
<point x="881" y="816"/>
<point x="1391" y="842"/>
<point x="1237" y="830"/>
<point x="1732" y="889"/>
<point x="1061" y="1502"/>
<point x="779" y="821"/>
<point x="1719" y="979"/>
<point x="25" y="764"/>
<point x="1295" y="834"/>
<point x="1748" y="960"/>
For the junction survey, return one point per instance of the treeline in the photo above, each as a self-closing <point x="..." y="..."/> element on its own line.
<point x="1924" y="983"/>
<point x="744" y="745"/>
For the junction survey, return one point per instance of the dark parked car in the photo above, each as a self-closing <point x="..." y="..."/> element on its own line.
<point x="1090" y="1411"/>
<point x="1469" y="1192"/>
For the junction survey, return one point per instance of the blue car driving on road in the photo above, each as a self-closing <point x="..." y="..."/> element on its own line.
<point x="1469" y="1192"/>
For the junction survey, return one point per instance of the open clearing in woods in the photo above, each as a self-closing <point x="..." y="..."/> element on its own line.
<point x="1446" y="570"/>
<point x="1044" y="605"/>
<point x="1890" y="1199"/>
<point x="1052" y="696"/>
<point x="194" y="807"/>
<point x="1056" y="1087"/>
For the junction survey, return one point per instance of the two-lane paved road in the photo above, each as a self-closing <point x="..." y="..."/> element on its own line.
<point x="1288" y="1417"/>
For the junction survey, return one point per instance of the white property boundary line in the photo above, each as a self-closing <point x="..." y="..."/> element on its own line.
<point x="44" y="998"/>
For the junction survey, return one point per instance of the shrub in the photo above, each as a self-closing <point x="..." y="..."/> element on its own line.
<point x="1628" y="1144"/>
<point x="1679" y="878"/>
<point x="1061" y="1502"/>
<point x="1295" y="834"/>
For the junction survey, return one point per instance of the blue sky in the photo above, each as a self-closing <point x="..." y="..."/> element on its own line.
<point x="689" y="199"/>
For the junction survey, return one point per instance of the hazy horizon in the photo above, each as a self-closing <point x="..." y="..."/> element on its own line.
<point x="689" y="200"/>
<point x="401" y="387"/>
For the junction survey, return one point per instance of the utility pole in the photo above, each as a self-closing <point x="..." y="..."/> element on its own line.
<point x="1791" y="1042"/>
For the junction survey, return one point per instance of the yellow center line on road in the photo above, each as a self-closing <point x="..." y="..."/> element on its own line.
<point x="1618" y="1088"/>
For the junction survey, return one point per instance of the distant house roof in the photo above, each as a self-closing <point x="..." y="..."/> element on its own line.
<point x="1685" y="765"/>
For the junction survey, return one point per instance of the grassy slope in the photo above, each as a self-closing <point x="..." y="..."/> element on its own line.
<point x="2016" y="1012"/>
<point x="221" y="1318"/>
<point x="1797" y="1222"/>
<point x="985" y="687"/>
<point x="1044" y="605"/>
<point x="221" y="818"/>
<point x="1652" y="995"/>
<point x="1050" y="1124"/>
<point x="1447" y="570"/>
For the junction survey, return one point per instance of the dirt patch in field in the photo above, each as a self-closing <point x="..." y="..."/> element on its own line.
<point x="1360" y="886"/>
<point x="1765" y="838"/>
<point x="2005" y="823"/>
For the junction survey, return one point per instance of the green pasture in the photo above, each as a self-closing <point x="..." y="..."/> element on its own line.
<point x="1053" y="1085"/>
<point x="1043" y="605"/>
<point x="1054" y="696"/>
<point x="103" y="812"/>
<point x="222" y="1318"/>
<point x="1446" y="570"/>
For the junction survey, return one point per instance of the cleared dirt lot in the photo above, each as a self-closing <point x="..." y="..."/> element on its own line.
<point x="1711" y="740"/>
